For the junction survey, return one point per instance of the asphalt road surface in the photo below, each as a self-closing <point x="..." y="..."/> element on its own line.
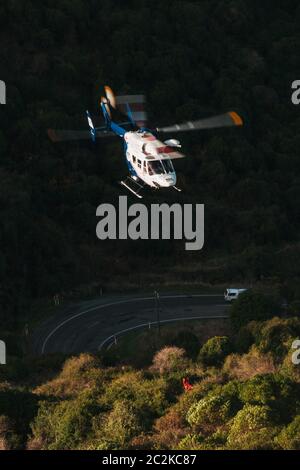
<point x="93" y="325"/>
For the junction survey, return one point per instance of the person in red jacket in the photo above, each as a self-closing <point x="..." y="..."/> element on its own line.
<point x="186" y="384"/>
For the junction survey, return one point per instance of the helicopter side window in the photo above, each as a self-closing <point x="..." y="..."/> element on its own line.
<point x="144" y="149"/>
<point x="139" y="163"/>
<point x="133" y="158"/>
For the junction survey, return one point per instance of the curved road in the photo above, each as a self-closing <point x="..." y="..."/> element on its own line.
<point x="92" y="325"/>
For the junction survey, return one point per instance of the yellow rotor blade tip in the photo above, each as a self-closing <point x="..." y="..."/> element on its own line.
<point x="236" y="118"/>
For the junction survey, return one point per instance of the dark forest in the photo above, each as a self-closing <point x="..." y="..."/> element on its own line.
<point x="192" y="59"/>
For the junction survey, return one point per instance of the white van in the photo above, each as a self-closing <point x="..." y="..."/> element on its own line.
<point x="232" y="294"/>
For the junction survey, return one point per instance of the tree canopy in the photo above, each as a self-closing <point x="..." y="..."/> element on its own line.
<point x="193" y="59"/>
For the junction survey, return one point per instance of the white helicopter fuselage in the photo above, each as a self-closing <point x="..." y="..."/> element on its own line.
<point x="149" y="159"/>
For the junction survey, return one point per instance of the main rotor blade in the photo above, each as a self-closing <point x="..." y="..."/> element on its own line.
<point x="66" y="135"/>
<point x="222" y="120"/>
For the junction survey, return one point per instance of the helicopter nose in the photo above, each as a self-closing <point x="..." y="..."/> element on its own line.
<point x="170" y="180"/>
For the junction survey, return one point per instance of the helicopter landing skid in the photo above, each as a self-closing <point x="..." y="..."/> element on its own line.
<point x="177" y="189"/>
<point x="133" y="186"/>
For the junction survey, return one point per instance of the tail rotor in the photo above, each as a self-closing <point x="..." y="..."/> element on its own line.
<point x="110" y="96"/>
<point x="91" y="126"/>
<point x="108" y="101"/>
<point x="131" y="106"/>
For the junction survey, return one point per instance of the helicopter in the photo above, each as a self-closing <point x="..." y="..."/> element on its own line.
<point x="149" y="160"/>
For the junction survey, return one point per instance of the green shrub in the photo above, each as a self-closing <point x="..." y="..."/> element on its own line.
<point x="214" y="351"/>
<point x="274" y="390"/>
<point x="78" y="373"/>
<point x="277" y="335"/>
<point x="251" y="305"/>
<point x="258" y="390"/>
<point x="199" y="391"/>
<point x="248" y="365"/>
<point x="288" y="369"/>
<point x="252" y="428"/>
<point x="119" y="426"/>
<point x="212" y="409"/>
<point x="65" y="424"/>
<point x="169" y="359"/>
<point x="149" y="396"/>
<point x="169" y="430"/>
<point x="215" y="441"/>
<point x="287" y="402"/>
<point x="190" y="442"/>
<point x="216" y="408"/>
<point x="289" y="437"/>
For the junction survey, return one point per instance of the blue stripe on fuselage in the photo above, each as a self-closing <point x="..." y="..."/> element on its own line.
<point x="129" y="165"/>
